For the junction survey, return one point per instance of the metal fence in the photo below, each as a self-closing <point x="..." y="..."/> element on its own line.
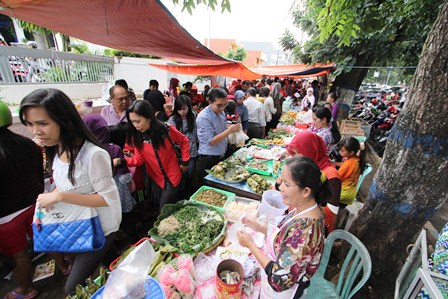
<point x="25" y="66"/>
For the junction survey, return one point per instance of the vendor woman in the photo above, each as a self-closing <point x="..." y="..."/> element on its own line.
<point x="294" y="242"/>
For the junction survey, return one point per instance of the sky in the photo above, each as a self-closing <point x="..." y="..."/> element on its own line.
<point x="249" y="20"/>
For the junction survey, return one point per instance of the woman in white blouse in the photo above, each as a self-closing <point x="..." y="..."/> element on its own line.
<point x="79" y="165"/>
<point x="268" y="104"/>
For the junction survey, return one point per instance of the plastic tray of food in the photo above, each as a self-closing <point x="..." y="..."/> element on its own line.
<point x="258" y="184"/>
<point x="277" y="166"/>
<point x="260" y="166"/>
<point x="228" y="172"/>
<point x="263" y="143"/>
<point x="214" y="202"/>
<point x="238" y="207"/>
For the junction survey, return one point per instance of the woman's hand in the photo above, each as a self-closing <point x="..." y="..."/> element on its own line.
<point x="245" y="239"/>
<point x="183" y="168"/>
<point x="253" y="224"/>
<point x="48" y="200"/>
<point x="117" y="162"/>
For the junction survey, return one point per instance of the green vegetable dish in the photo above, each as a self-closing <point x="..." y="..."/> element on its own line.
<point x="190" y="228"/>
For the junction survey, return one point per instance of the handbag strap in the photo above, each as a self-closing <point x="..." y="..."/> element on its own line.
<point x="165" y="176"/>
<point x="172" y="143"/>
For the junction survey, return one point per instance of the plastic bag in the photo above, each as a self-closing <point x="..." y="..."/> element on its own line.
<point x="205" y="267"/>
<point x="185" y="261"/>
<point x="128" y="280"/>
<point x="238" y="138"/>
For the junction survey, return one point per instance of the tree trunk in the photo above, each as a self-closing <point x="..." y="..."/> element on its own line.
<point x="347" y="84"/>
<point x="411" y="183"/>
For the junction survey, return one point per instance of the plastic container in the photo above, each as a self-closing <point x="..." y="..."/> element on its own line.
<point x="229" y="195"/>
<point x="267" y="172"/>
<point x="152" y="287"/>
<point x="234" y="215"/>
<point x="229" y="291"/>
<point x="272" y="204"/>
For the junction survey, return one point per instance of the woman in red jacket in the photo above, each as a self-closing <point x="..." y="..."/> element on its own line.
<point x="154" y="146"/>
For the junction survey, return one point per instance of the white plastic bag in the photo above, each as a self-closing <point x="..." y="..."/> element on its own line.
<point x="128" y="280"/>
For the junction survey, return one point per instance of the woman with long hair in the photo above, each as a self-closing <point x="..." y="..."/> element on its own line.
<point x="172" y="89"/>
<point x="184" y="119"/>
<point x="295" y="241"/>
<point x="81" y="170"/>
<point x="326" y="127"/>
<point x="154" y="145"/>
<point x="21" y="181"/>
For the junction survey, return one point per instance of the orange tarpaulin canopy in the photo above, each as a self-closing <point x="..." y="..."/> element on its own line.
<point x="295" y="70"/>
<point x="229" y="69"/>
<point x="139" y="26"/>
<point x="237" y="69"/>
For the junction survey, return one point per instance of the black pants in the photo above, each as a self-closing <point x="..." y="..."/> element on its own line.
<point x="254" y="131"/>
<point x="206" y="162"/>
<point x="85" y="264"/>
<point x="169" y="194"/>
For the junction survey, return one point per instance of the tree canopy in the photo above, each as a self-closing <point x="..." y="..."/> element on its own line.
<point x="359" y="33"/>
<point x="238" y="54"/>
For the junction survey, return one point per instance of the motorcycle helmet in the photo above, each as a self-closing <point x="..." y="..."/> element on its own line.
<point x="374" y="101"/>
<point x="5" y="115"/>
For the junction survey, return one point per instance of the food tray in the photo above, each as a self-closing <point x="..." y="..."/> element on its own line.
<point x="268" y="181"/>
<point x="169" y="209"/>
<point x="226" y="193"/>
<point x="152" y="287"/>
<point x="244" y="200"/>
<point x="263" y="144"/>
<point x="268" y="172"/>
<point x="224" y="180"/>
<point x="282" y="164"/>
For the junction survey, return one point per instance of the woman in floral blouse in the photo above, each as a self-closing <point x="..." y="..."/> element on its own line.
<point x="294" y="242"/>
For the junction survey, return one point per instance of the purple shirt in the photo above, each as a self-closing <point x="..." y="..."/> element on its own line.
<point x="111" y="116"/>
<point x="335" y="111"/>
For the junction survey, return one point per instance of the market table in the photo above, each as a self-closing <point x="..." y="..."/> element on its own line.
<point x="240" y="189"/>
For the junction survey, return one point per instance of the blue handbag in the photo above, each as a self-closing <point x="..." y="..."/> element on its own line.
<point x="68" y="227"/>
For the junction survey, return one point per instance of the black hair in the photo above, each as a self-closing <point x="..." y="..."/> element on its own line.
<point x="264" y="91"/>
<point x="118" y="134"/>
<point x="324" y="112"/>
<point x="184" y="93"/>
<point x="154" y="83"/>
<point x="231" y="107"/>
<point x="216" y="93"/>
<point x="252" y="92"/>
<point x="13" y="149"/>
<point x="306" y="173"/>
<point x="245" y="82"/>
<point x="352" y="144"/>
<point x="263" y="80"/>
<point x="157" y="131"/>
<point x="122" y="83"/>
<point x="112" y="89"/>
<point x="333" y="96"/>
<point x="73" y="131"/>
<point x="269" y="81"/>
<point x="188" y="84"/>
<point x="181" y="101"/>
<point x="276" y="79"/>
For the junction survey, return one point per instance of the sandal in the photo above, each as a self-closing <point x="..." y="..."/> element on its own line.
<point x="14" y="295"/>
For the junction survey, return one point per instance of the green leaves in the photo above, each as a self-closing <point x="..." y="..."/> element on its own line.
<point x="190" y="5"/>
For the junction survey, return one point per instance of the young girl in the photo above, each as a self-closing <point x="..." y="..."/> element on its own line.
<point x="184" y="119"/>
<point x="351" y="168"/>
<point x="78" y="164"/>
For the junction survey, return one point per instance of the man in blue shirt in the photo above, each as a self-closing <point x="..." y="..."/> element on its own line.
<point x="213" y="131"/>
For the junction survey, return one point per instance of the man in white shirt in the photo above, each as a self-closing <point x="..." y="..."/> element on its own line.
<point x="257" y="121"/>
